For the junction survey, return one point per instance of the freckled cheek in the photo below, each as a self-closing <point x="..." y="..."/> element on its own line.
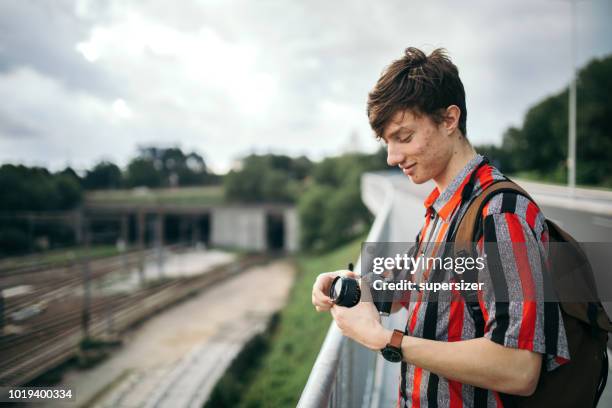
<point x="419" y="151"/>
<point x="428" y="164"/>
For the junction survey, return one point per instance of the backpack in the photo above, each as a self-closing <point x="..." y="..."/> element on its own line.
<point x="581" y="381"/>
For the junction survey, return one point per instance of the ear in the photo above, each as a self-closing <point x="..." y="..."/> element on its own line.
<point x="451" y="118"/>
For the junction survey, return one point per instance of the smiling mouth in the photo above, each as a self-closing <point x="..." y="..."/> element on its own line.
<point x="408" y="170"/>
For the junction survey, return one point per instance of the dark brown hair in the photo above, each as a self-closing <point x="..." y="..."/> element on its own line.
<point x="423" y="84"/>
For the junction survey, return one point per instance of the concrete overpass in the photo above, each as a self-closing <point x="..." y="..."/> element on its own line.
<point x="258" y="227"/>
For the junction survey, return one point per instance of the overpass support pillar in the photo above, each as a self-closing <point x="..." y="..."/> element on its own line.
<point x="141" y="226"/>
<point x="159" y="241"/>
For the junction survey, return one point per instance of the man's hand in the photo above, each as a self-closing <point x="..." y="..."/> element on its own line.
<point x="320" y="289"/>
<point x="362" y="324"/>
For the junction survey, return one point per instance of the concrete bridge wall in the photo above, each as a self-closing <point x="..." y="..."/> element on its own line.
<point x="238" y="226"/>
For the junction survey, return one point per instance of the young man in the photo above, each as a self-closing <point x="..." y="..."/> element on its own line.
<point x="418" y="108"/>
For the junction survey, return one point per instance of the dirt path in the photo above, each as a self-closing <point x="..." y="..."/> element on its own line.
<point x="166" y="349"/>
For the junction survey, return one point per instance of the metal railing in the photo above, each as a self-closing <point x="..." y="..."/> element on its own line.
<point x="345" y="373"/>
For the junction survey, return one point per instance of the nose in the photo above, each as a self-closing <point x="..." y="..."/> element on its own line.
<point x="394" y="156"/>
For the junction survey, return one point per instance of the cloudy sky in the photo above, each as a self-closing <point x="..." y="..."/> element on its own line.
<point x="82" y="81"/>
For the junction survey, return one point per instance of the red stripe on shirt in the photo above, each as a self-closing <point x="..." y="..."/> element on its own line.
<point x="498" y="399"/>
<point x="485" y="209"/>
<point x="483" y="307"/>
<point x="485" y="176"/>
<point x="455" y="328"/>
<point x="455" y="320"/>
<point x="527" y="330"/>
<point x="415" y="312"/>
<point x="530" y="215"/>
<point x="416" y="387"/>
<point x="450" y="206"/>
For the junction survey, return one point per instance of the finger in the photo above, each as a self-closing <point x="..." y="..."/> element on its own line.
<point x="319" y="299"/>
<point x="318" y="294"/>
<point x="322" y="283"/>
<point x="321" y="304"/>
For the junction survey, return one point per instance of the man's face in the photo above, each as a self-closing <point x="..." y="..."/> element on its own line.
<point x="417" y="145"/>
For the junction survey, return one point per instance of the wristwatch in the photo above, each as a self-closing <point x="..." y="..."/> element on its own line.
<point x="393" y="350"/>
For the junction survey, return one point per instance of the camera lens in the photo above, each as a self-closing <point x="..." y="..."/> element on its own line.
<point x="345" y="291"/>
<point x="337" y="288"/>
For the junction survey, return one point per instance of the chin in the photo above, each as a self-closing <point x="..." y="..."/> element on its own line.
<point x="416" y="180"/>
<point x="419" y="180"/>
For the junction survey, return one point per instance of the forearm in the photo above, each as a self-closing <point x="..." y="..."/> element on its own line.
<point x="479" y="362"/>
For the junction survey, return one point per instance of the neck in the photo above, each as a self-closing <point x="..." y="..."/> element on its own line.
<point x="462" y="154"/>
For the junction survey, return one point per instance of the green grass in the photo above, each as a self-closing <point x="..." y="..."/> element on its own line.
<point x="209" y="195"/>
<point x="287" y="353"/>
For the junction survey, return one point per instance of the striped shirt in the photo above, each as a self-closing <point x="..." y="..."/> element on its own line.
<point x="528" y="324"/>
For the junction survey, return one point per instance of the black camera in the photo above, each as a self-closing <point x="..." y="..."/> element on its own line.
<point x="345" y="291"/>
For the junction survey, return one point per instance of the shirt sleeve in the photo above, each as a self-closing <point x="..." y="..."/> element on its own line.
<point x="512" y="298"/>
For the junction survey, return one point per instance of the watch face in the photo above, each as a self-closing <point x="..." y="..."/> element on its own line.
<point x="392" y="354"/>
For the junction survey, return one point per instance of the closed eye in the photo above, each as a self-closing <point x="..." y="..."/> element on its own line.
<point x="406" y="138"/>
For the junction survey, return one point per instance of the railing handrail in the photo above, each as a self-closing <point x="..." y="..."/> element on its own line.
<point x="318" y="390"/>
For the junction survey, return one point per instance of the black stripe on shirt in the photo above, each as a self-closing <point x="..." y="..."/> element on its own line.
<point x="508" y="204"/>
<point x="498" y="280"/>
<point x="551" y="315"/>
<point x="429" y="332"/>
<point x="432" y="390"/>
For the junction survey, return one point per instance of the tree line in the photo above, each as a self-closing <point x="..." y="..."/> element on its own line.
<point x="326" y="192"/>
<point x="153" y="167"/>
<point x="26" y="189"/>
<point x="538" y="149"/>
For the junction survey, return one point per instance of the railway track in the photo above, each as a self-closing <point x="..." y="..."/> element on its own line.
<point x="46" y="266"/>
<point x="55" y="335"/>
<point x="61" y="281"/>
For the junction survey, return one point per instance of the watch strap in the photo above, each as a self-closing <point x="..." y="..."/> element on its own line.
<point x="396" y="339"/>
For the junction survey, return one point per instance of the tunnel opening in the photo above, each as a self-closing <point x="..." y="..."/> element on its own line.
<point x="275" y="232"/>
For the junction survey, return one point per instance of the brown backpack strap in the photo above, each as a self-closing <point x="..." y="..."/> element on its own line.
<point x="464" y="235"/>
<point x="463" y="243"/>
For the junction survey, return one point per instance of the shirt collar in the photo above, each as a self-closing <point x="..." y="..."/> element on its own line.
<point x="445" y="203"/>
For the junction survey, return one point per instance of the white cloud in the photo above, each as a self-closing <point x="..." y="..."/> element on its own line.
<point x="121" y="110"/>
<point x="64" y="125"/>
<point x="229" y="78"/>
